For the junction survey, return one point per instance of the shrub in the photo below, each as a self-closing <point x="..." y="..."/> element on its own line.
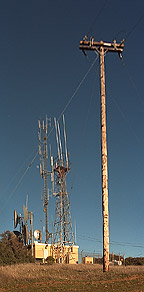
<point x="50" y="260"/>
<point x="139" y="261"/>
<point x="12" y="251"/>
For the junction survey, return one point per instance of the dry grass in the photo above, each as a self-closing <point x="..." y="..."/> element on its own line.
<point x="35" y="277"/>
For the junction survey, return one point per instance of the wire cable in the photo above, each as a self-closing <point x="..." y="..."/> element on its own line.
<point x="96" y="18"/>
<point x="131" y="31"/>
<point x="117" y="105"/>
<point x="20" y="180"/>
<point x="132" y="80"/>
<point x="112" y="242"/>
<point x="134" y="27"/>
<point x="124" y="116"/>
<point x="78" y="87"/>
<point x="16" y="174"/>
<point x="34" y="157"/>
<point x="83" y="135"/>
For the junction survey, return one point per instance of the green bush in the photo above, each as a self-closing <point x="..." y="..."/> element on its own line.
<point x="12" y="251"/>
<point x="50" y="260"/>
<point x="139" y="261"/>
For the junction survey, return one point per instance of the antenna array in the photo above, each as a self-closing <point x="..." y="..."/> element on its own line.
<point x="63" y="234"/>
<point x="24" y="235"/>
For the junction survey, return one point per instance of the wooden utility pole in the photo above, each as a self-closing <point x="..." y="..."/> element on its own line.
<point x="102" y="48"/>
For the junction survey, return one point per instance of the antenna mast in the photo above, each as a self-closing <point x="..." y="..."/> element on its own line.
<point x="102" y="48"/>
<point x="42" y="135"/>
<point x="63" y="234"/>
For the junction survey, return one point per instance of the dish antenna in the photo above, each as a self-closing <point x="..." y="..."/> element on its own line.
<point x="16" y="219"/>
<point x="25" y="210"/>
<point x="38" y="234"/>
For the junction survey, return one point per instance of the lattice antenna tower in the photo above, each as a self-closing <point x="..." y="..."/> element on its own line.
<point x="63" y="234"/>
<point x="43" y="152"/>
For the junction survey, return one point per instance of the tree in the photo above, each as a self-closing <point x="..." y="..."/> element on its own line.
<point x="134" y="261"/>
<point x="12" y="251"/>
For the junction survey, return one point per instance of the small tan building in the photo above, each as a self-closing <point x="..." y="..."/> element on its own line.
<point x="87" y="260"/>
<point x="64" y="254"/>
<point x="42" y="250"/>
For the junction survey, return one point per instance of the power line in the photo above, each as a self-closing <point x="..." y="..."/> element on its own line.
<point x="78" y="87"/>
<point x="131" y="30"/>
<point x="112" y="242"/>
<point x="83" y="135"/>
<point x="119" y="108"/>
<point x="126" y="244"/>
<point x="134" y="27"/>
<point x="83" y="237"/>
<point x="20" y="180"/>
<point x="124" y="117"/>
<point x="16" y="174"/>
<point x="71" y="98"/>
<point x="116" y="103"/>
<point x="96" y="18"/>
<point x="34" y="157"/>
<point x="131" y="79"/>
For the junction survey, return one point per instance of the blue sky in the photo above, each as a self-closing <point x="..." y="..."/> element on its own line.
<point x="40" y="68"/>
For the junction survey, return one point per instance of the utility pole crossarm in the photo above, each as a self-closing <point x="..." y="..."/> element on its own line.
<point x="92" y="45"/>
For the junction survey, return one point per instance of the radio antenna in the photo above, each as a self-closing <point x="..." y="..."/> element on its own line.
<point x="61" y="155"/>
<point x="57" y="138"/>
<point x="65" y="142"/>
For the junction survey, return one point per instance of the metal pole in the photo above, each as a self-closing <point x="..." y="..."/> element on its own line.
<point x="104" y="166"/>
<point x="45" y="188"/>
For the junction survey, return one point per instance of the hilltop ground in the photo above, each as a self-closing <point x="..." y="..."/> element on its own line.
<point x="58" y="277"/>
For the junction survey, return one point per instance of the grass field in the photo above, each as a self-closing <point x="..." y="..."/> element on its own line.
<point x="58" y="277"/>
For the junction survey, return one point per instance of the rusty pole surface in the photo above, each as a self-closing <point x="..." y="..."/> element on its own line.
<point x="104" y="167"/>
